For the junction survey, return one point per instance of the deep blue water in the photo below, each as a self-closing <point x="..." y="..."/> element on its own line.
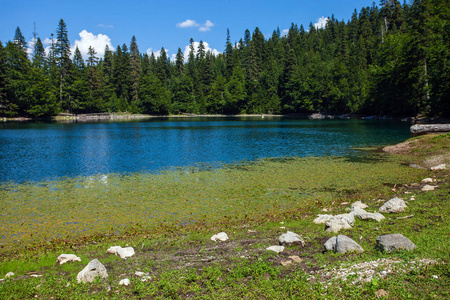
<point x="47" y="151"/>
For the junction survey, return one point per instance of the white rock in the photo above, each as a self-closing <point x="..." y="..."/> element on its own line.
<point x="427" y="180"/>
<point x="334" y="225"/>
<point x="290" y="238"/>
<point x="359" y="204"/>
<point x="125" y="282"/>
<point x="63" y="258"/>
<point x="222" y="236"/>
<point x="330" y="244"/>
<point x="364" y="215"/>
<point x="125" y="252"/>
<point x="9" y="274"/>
<point x="322" y="219"/>
<point x="93" y="269"/>
<point x="428" y="188"/>
<point x="276" y="249"/>
<point x="393" y="206"/>
<point x="113" y="249"/>
<point x="439" y="167"/>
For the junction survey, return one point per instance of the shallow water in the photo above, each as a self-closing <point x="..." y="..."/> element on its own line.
<point x="48" y="151"/>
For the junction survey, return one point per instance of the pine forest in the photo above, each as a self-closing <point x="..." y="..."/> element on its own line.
<point x="390" y="59"/>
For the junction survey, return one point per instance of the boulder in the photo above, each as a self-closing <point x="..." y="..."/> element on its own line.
<point x="342" y="244"/>
<point x="121" y="252"/>
<point x="93" y="269"/>
<point x="393" y="242"/>
<point x="439" y="167"/>
<point x="125" y="282"/>
<point x="427" y="180"/>
<point x="359" y="204"/>
<point x="222" y="236"/>
<point x="290" y="238"/>
<point x="394" y="205"/>
<point x="322" y="219"/>
<point x="113" y="249"/>
<point x="276" y="249"/>
<point x="63" y="258"/>
<point x="336" y="224"/>
<point x="364" y="215"/>
<point x="330" y="244"/>
<point x="428" y="188"/>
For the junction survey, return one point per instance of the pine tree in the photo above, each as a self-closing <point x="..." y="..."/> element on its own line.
<point x="62" y="55"/>
<point x="179" y="62"/>
<point x="39" y="59"/>
<point x="135" y="64"/>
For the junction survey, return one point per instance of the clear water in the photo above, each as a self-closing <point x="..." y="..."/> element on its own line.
<point x="47" y="151"/>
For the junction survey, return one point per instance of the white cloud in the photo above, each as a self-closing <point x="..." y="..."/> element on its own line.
<point x="321" y="22"/>
<point x="188" y="23"/>
<point x="88" y="39"/>
<point x="207" y="26"/>
<point x="284" y="32"/>
<point x="192" y="23"/>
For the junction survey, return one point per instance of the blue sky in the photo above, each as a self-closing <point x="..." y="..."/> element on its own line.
<point x="164" y="23"/>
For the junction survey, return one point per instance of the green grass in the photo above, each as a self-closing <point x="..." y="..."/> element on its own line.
<point x="149" y="213"/>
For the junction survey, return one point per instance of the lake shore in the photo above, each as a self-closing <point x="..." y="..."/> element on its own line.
<point x="182" y="261"/>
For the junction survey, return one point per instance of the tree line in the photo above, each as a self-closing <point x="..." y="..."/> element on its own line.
<point x="391" y="59"/>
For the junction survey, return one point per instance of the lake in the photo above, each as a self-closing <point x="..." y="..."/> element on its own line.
<point x="48" y="151"/>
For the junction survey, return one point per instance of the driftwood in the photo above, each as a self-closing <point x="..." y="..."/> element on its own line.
<point x="420" y="129"/>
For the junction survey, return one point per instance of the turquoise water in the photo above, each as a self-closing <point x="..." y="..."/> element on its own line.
<point x="47" y="151"/>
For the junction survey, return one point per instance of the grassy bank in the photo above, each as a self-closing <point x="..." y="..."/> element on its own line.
<point x="169" y="218"/>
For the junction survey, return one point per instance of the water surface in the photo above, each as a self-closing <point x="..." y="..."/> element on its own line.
<point x="47" y="151"/>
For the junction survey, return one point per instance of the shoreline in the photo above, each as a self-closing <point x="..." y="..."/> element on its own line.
<point x="126" y="117"/>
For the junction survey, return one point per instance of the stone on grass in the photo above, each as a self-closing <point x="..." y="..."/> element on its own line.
<point x="342" y="244"/>
<point x="63" y="258"/>
<point x="439" y="167"/>
<point x="93" y="269"/>
<point x="336" y="224"/>
<point x="113" y="249"/>
<point x="276" y="249"/>
<point x="364" y="215"/>
<point x="222" y="236"/>
<point x="9" y="274"/>
<point x="290" y="238"/>
<point x="427" y="180"/>
<point x="393" y="242"/>
<point x="125" y="282"/>
<point x="125" y="252"/>
<point x="121" y="252"/>
<point x="428" y="188"/>
<point x="322" y="219"/>
<point x="359" y="204"/>
<point x="295" y="258"/>
<point x="394" y="205"/>
<point x="330" y="244"/>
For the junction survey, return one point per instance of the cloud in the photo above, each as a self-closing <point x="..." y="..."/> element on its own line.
<point x="105" y="26"/>
<point x="284" y="32"/>
<point x="88" y="39"/>
<point x="321" y="22"/>
<point x="192" y="23"/>
<point x="188" y="23"/>
<point x="207" y="26"/>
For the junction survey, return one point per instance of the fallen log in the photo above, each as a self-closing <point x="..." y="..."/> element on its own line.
<point x="420" y="129"/>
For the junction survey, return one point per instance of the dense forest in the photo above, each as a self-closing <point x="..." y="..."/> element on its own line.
<point x="391" y="59"/>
